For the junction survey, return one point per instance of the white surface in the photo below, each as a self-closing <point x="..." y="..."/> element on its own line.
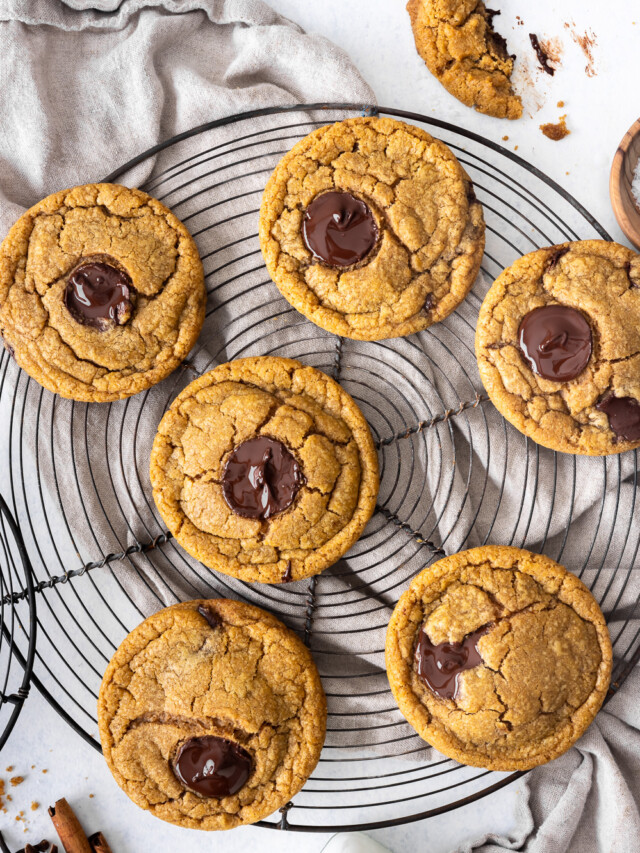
<point x="377" y="35"/>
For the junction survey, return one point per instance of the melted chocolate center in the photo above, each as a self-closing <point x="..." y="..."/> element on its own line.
<point x="212" y="766"/>
<point x="339" y="229"/>
<point x="99" y="295"/>
<point x="623" y="414"/>
<point x="261" y="478"/>
<point x="556" y="342"/>
<point x="439" y="666"/>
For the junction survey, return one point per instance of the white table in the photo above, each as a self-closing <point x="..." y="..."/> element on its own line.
<point x="376" y="33"/>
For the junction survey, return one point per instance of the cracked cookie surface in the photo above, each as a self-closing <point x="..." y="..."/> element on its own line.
<point x="133" y="234"/>
<point x="235" y="673"/>
<point x="429" y="229"/>
<point x="319" y="425"/>
<point x="599" y="279"/>
<point x="460" y="48"/>
<point x="545" y="657"/>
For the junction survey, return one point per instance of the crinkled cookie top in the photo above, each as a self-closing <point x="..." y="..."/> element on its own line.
<point x="429" y="228"/>
<point x="211" y="668"/>
<point x="158" y="318"/>
<point x="601" y="280"/>
<point x="457" y="41"/>
<point x="315" y="420"/>
<point x="544" y="657"/>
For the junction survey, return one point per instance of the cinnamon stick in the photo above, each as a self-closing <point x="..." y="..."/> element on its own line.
<point x="72" y="836"/>
<point x="99" y="843"/>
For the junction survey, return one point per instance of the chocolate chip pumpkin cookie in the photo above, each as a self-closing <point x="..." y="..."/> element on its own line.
<point x="498" y="657"/>
<point x="558" y="347"/>
<point x="211" y="714"/>
<point x="265" y="469"/>
<point x="101" y="292"/>
<point x="457" y="41"/>
<point x="371" y="229"/>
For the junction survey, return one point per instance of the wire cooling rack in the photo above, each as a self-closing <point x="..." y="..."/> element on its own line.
<point x="15" y="633"/>
<point x="419" y="395"/>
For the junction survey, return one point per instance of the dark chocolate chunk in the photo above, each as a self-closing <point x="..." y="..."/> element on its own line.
<point x="99" y="295"/>
<point x="212" y="618"/>
<point x="439" y="666"/>
<point x="261" y="478"/>
<point x="623" y="414"/>
<point x="429" y="302"/>
<point x="543" y="59"/>
<point x="339" y="229"/>
<point x="212" y="766"/>
<point x="287" y="577"/>
<point x="554" y="257"/>
<point x="556" y="342"/>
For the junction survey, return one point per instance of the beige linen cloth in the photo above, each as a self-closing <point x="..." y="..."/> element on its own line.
<point x="86" y="86"/>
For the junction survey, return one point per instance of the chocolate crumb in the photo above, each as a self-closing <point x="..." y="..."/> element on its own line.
<point x="556" y="131"/>
<point x="543" y="59"/>
<point x="586" y="42"/>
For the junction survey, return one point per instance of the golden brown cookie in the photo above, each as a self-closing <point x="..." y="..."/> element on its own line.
<point x="558" y="347"/>
<point x="211" y="714"/>
<point x="371" y="229"/>
<point x="457" y="41"/>
<point x="101" y="292"/>
<point x="265" y="469"/>
<point x="498" y="657"/>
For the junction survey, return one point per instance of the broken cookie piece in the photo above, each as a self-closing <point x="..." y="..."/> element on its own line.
<point x="498" y="657"/>
<point x="457" y="41"/>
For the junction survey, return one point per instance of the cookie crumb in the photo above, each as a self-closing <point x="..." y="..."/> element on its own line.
<point x="45" y="771"/>
<point x="16" y="780"/>
<point x="9" y="768"/>
<point x="556" y="131"/>
<point x="91" y="796"/>
<point x="504" y="138"/>
<point x="35" y="805"/>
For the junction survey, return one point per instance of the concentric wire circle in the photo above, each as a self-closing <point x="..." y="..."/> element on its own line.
<point x="453" y="473"/>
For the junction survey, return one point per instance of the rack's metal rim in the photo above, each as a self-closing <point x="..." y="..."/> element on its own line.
<point x="370" y="109"/>
<point x="22" y="693"/>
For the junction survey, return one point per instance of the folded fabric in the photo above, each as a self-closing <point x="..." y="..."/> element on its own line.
<point x="83" y="91"/>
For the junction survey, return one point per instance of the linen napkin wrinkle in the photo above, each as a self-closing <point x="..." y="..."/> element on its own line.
<point x="84" y="87"/>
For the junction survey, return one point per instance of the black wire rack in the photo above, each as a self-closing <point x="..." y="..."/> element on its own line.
<point x="453" y="473"/>
<point x="17" y="623"/>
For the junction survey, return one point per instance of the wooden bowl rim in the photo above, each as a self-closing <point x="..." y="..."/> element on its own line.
<point x="616" y="184"/>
